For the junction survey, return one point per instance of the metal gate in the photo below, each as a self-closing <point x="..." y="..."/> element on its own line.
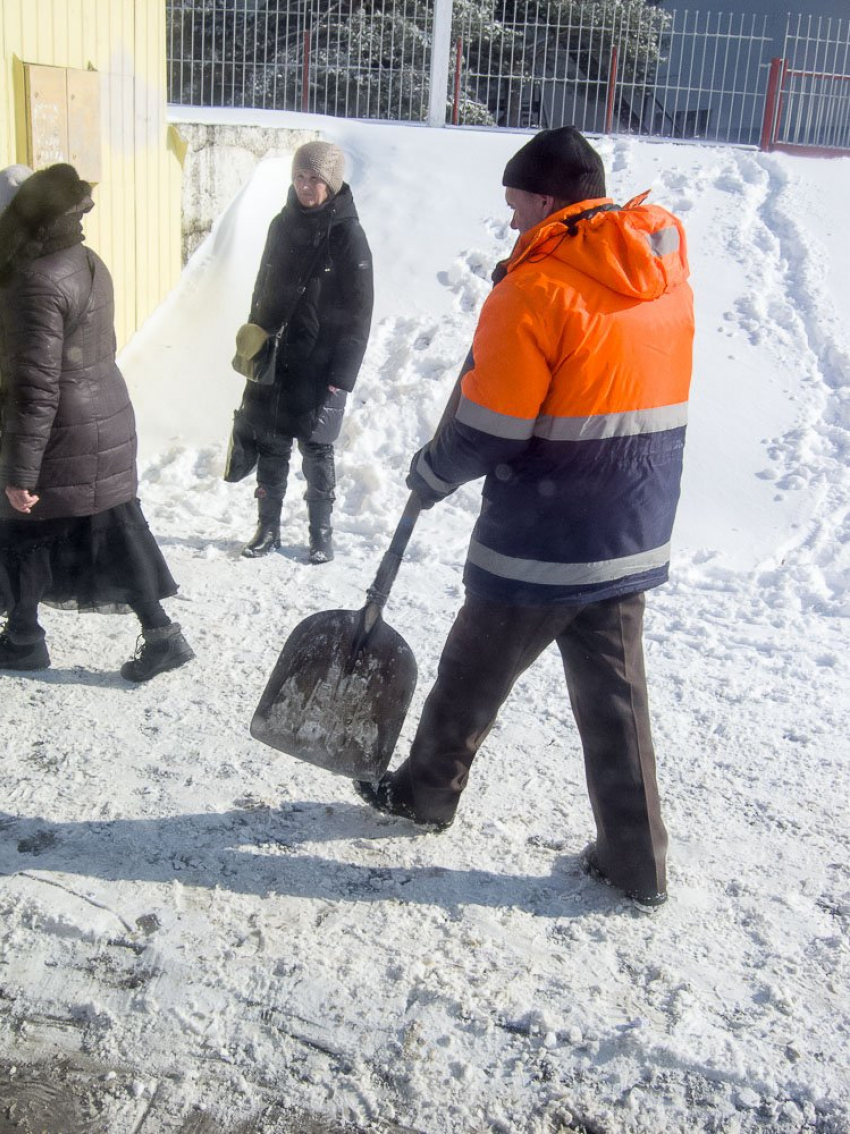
<point x="808" y="100"/>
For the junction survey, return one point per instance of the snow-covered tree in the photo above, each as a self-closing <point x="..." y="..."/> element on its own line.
<point x="371" y="58"/>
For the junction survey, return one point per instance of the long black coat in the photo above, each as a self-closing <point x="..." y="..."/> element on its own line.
<point x="323" y="251"/>
<point x="67" y="429"/>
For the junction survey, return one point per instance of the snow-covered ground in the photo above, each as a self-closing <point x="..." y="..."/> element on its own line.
<point x="213" y="925"/>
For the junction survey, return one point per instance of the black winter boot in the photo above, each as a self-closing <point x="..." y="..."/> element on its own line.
<point x="157" y="651"/>
<point x="267" y="536"/>
<point x="380" y="796"/>
<point x="321" y="544"/>
<point x="589" y="862"/>
<point x="29" y="656"/>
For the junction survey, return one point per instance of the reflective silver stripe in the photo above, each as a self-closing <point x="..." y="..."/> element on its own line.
<point x="431" y="478"/>
<point x="663" y="242"/>
<point x="566" y="574"/>
<point x="496" y="424"/>
<point x="601" y="425"/>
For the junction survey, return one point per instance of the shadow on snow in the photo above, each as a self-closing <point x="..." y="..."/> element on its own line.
<point x="262" y="852"/>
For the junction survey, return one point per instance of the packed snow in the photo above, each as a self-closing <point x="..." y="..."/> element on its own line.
<point x="217" y="928"/>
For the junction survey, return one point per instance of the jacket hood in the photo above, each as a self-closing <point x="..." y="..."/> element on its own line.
<point x="636" y="250"/>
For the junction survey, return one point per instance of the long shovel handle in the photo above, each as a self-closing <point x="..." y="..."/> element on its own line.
<point x="379" y="592"/>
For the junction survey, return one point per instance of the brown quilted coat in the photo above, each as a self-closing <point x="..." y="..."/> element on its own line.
<point x="67" y="429"/>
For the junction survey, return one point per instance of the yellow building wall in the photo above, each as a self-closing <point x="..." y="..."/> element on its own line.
<point x="135" y="225"/>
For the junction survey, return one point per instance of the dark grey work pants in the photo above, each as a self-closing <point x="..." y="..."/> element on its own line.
<point x="489" y="646"/>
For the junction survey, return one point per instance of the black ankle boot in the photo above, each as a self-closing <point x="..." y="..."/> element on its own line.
<point x="321" y="543"/>
<point x="265" y="539"/>
<point x="157" y="651"/>
<point x="28" y="656"/>
<point x="267" y="536"/>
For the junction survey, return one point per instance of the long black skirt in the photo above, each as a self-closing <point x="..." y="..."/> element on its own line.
<point x="108" y="563"/>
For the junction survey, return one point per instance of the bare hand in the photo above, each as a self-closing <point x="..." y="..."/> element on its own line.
<point x="21" y="499"/>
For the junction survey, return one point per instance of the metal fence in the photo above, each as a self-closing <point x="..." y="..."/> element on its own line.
<point x="626" y="67"/>
<point x="640" y="71"/>
<point x="813" y="103"/>
<point x="366" y="60"/>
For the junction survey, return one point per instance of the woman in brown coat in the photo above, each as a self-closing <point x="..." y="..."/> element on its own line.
<point x="72" y="533"/>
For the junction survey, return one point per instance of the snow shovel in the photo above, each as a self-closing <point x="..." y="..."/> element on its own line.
<point x="340" y="690"/>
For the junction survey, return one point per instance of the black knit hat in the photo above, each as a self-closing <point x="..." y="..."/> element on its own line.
<point x="557" y="163"/>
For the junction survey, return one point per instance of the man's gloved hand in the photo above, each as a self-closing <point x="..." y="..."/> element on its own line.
<point x="423" y="485"/>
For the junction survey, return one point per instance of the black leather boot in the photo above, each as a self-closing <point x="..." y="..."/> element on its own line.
<point x="321" y="544"/>
<point x="156" y="652"/>
<point x="267" y="536"/>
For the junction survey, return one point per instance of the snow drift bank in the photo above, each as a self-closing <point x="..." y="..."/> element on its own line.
<point x="222" y="926"/>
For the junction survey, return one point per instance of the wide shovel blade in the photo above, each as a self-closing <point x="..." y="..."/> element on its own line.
<point x="333" y="705"/>
<point x="340" y="690"/>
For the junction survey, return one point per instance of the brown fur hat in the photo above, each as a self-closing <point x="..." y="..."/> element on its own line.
<point x="48" y="194"/>
<point x="41" y="199"/>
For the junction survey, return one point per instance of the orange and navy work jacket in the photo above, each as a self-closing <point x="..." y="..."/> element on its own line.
<point x="574" y="408"/>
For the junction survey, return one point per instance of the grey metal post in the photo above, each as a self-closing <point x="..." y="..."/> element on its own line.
<point x="441" y="42"/>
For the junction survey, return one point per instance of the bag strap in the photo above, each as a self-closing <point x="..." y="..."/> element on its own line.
<point x="301" y="288"/>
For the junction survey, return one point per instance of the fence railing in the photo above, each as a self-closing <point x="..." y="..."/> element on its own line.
<point x="626" y="68"/>
<point x="643" y="71"/>
<point x="813" y="105"/>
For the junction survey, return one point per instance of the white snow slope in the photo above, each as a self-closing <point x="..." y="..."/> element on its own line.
<point x="234" y="928"/>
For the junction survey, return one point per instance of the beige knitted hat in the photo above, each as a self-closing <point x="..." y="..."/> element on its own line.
<point x="324" y="159"/>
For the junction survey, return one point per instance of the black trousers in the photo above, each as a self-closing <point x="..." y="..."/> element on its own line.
<point x="489" y="646"/>
<point x="274" y="452"/>
<point x="23" y="627"/>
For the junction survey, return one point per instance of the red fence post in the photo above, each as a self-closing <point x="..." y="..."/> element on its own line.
<point x="458" y="62"/>
<point x="770" y="122"/>
<point x="612" y="84"/>
<point x="305" y="77"/>
<point x="785" y="71"/>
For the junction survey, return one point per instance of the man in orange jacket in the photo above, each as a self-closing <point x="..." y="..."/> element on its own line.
<point x="573" y="407"/>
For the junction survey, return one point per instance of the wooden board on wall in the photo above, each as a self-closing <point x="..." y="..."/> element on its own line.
<point x="84" y="127"/>
<point x="62" y="116"/>
<point x="135" y="225"/>
<point x="46" y="113"/>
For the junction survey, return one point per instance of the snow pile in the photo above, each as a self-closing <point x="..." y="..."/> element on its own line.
<point x="233" y="929"/>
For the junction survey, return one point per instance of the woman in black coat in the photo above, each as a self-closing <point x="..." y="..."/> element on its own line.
<point x="72" y="533"/>
<point x="315" y="281"/>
